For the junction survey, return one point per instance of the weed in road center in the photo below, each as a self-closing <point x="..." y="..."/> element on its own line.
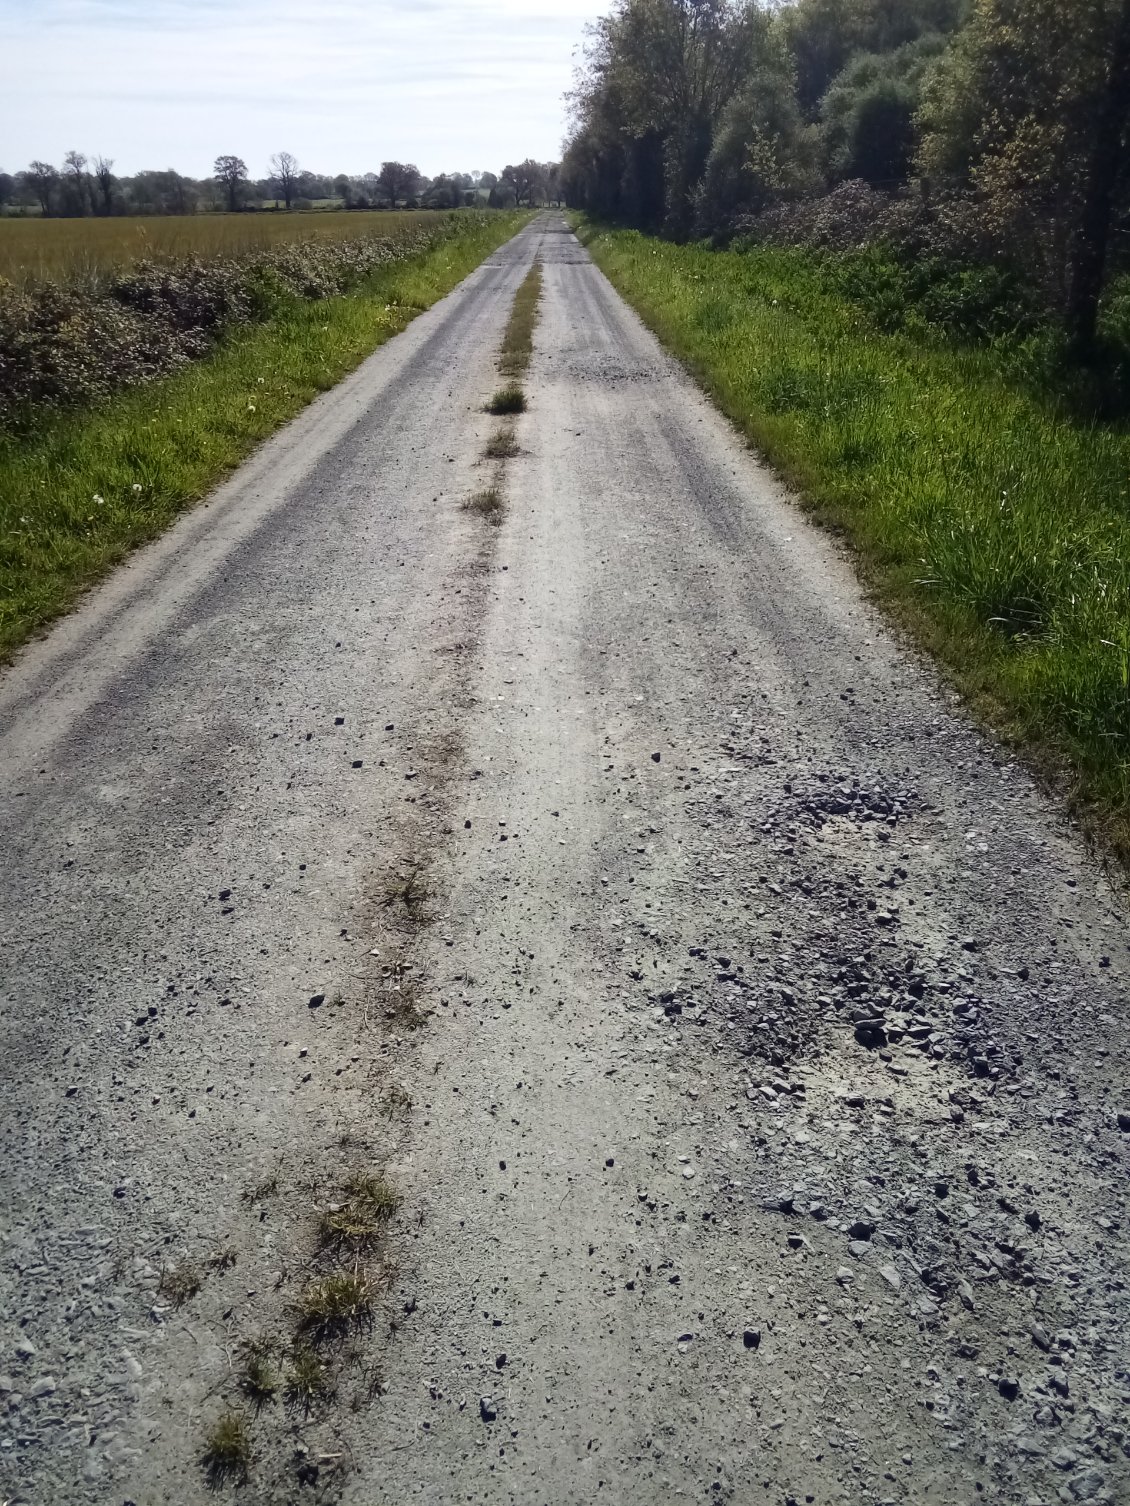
<point x="307" y="1380"/>
<point x="334" y="1304"/>
<point x="369" y="1202"/>
<point x="180" y="1283"/>
<point x="406" y="891"/>
<point x="503" y="443"/>
<point x="509" y="399"/>
<point x="258" y="1379"/>
<point x="488" y="504"/>
<point x="227" y="1451"/>
<point x="518" y="341"/>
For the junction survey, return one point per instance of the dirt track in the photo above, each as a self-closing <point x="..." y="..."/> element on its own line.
<point x="763" y="1141"/>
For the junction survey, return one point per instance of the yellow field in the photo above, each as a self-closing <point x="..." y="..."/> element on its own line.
<point x="73" y="250"/>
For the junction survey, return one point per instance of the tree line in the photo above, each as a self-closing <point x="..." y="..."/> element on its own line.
<point x="1007" y="122"/>
<point x="88" y="186"/>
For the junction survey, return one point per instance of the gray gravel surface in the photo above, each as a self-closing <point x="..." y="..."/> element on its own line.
<point x="750" y="1064"/>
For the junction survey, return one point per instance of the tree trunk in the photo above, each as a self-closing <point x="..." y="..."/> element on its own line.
<point x="1088" y="265"/>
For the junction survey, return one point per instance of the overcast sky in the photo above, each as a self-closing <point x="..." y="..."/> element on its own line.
<point x="343" y="84"/>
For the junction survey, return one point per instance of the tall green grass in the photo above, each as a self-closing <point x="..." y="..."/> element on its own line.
<point x="994" y="525"/>
<point x="84" y="488"/>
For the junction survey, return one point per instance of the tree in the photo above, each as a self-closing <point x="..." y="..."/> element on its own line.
<point x="444" y="192"/>
<point x="231" y="174"/>
<point x="824" y="35"/>
<point x="656" y="78"/>
<point x="526" y="180"/>
<point x="762" y="150"/>
<point x="399" y="180"/>
<point x="166" y="192"/>
<point x="1106" y="159"/>
<point x="284" y="176"/>
<point x="868" y="118"/>
<point x="42" y="179"/>
<point x="1029" y="108"/>
<point x="77" y="183"/>
<point x="104" y="177"/>
<point x="7" y="189"/>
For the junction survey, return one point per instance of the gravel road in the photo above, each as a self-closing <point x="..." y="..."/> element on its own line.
<point x="746" y="1035"/>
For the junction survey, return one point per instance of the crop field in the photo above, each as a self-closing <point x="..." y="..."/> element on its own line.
<point x="78" y="250"/>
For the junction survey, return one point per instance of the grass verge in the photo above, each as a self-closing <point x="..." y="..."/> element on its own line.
<point x="993" y="525"/>
<point x="85" y="488"/>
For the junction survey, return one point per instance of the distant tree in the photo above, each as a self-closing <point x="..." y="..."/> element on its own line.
<point x="315" y="186"/>
<point x="104" y="177"/>
<point x="166" y="192"/>
<point x="399" y="180"/>
<point x="444" y="192"/>
<point x="488" y="180"/>
<point x="7" y="189"/>
<point x="527" y="180"/>
<point x="284" y="175"/>
<point x="76" y="182"/>
<point x="42" y="179"/>
<point x="231" y="174"/>
<point x="343" y="187"/>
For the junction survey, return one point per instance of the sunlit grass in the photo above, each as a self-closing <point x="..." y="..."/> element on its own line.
<point x="995" y="526"/>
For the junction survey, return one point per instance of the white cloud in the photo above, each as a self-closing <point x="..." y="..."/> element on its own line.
<point x="342" y="85"/>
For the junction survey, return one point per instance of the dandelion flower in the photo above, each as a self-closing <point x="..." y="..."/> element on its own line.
<point x="137" y="486"/>
<point x="99" y="500"/>
<point x="251" y="407"/>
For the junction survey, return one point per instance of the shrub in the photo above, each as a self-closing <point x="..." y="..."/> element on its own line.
<point x="66" y="346"/>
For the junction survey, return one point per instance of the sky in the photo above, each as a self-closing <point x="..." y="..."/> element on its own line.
<point x="342" y="84"/>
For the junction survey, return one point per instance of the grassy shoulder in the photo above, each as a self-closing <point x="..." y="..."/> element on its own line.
<point x="992" y="524"/>
<point x="85" y="488"/>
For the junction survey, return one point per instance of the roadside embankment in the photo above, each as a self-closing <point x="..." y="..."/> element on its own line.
<point x="80" y="488"/>
<point x="992" y="524"/>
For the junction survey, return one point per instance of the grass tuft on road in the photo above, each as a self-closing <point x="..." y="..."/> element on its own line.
<point x="502" y="444"/>
<point x="227" y="1451"/>
<point x="334" y="1304"/>
<point x="518" y="340"/>
<point x="509" y="399"/>
<point x="85" y="488"/>
<point x="488" y="504"/>
<point x="992" y="523"/>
